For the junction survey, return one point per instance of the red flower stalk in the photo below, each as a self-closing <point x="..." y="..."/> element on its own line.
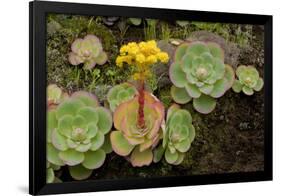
<point x="141" y="122"/>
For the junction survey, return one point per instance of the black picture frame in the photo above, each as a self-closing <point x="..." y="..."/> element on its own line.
<point x="37" y="97"/>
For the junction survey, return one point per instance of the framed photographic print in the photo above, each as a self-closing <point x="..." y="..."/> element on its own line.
<point x="130" y="97"/>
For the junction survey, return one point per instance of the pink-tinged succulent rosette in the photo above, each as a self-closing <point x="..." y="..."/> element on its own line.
<point x="55" y="95"/>
<point x="88" y="51"/>
<point x="130" y="139"/>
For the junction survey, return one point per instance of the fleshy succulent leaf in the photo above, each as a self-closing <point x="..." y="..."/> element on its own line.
<point x="101" y="59"/>
<point x="237" y="86"/>
<point x="192" y="90"/>
<point x="176" y="74"/>
<point x="171" y="157"/>
<point x="97" y="141"/>
<point x="216" y="50"/>
<point x="240" y="69"/>
<point x="219" y="88"/>
<point x="204" y="104"/>
<point x="247" y="90"/>
<point x="158" y="153"/>
<point x="229" y="76"/>
<point x="89" y="114"/>
<point x="87" y="98"/>
<point x="50" y="175"/>
<point x="94" y="159"/>
<point x="68" y="107"/>
<point x="74" y="59"/>
<point x="65" y="125"/>
<point x="77" y="122"/>
<point x="59" y="141"/>
<point x="180" y="159"/>
<point x="53" y="155"/>
<point x="107" y="148"/>
<point x="180" y="51"/>
<point x="71" y="157"/>
<point x="92" y="130"/>
<point x="83" y="147"/>
<point x="197" y="48"/>
<point x="79" y="172"/>
<point x="51" y="123"/>
<point x="135" y="21"/>
<point x="105" y="120"/>
<point x="206" y="88"/>
<point x="119" y="144"/>
<point x="180" y="95"/>
<point x="183" y="146"/>
<point x="259" y="85"/>
<point x="76" y="45"/>
<point x="139" y="159"/>
<point x="173" y="108"/>
<point x="120" y="94"/>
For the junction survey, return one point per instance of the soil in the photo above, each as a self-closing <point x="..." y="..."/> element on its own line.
<point x="230" y="139"/>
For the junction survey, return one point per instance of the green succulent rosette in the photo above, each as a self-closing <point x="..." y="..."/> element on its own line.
<point x="88" y="51"/>
<point x="248" y="80"/>
<point x="77" y="131"/>
<point x="135" y="21"/>
<point x="120" y="94"/>
<point x="198" y="72"/>
<point x="177" y="138"/>
<point x="50" y="173"/>
<point x="53" y="161"/>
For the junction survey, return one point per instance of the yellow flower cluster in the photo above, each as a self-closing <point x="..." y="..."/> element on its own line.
<point x="141" y="55"/>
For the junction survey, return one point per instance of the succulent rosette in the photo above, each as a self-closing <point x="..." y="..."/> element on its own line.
<point x="51" y="168"/>
<point x="55" y="95"/>
<point x="88" y="51"/>
<point x="76" y="134"/>
<point x="198" y="72"/>
<point x="177" y="138"/>
<point x="248" y="80"/>
<point x="135" y="21"/>
<point x="132" y="140"/>
<point x="120" y="94"/>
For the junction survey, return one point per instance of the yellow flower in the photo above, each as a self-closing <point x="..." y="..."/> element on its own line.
<point x="132" y="44"/>
<point x="128" y="59"/>
<point x="119" y="61"/>
<point x="124" y="49"/>
<point x="142" y="76"/>
<point x="140" y="58"/>
<point x="163" y="57"/>
<point x="141" y="55"/>
<point x="152" y="43"/>
<point x="151" y="59"/>
<point x="136" y="76"/>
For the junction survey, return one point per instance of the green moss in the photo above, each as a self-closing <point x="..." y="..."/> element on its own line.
<point x="165" y="97"/>
<point x="240" y="34"/>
